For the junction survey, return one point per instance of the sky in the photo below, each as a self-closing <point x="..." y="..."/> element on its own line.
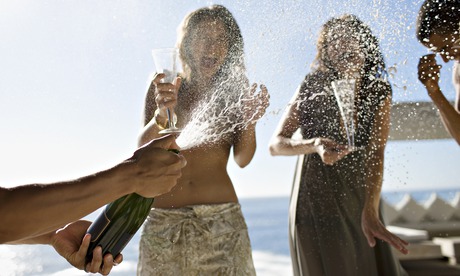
<point x="73" y="76"/>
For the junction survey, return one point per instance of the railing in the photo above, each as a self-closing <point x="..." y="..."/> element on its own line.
<point x="435" y="209"/>
<point x="416" y="121"/>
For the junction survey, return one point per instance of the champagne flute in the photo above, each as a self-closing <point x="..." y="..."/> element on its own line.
<point x="167" y="62"/>
<point x="344" y="91"/>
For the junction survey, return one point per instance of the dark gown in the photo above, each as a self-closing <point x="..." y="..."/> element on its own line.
<point x="326" y="201"/>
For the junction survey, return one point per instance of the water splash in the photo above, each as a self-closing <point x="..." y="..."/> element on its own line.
<point x="219" y="114"/>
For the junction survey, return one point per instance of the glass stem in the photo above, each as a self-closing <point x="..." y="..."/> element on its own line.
<point x="170" y="120"/>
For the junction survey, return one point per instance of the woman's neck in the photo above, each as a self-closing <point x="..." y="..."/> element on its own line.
<point x="200" y="83"/>
<point x="349" y="75"/>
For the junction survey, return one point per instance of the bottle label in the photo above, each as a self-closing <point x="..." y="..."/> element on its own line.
<point x="98" y="226"/>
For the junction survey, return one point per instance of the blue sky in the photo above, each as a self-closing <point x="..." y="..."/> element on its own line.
<point x="73" y="76"/>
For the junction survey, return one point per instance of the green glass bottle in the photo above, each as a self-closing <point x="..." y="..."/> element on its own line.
<point x="118" y="223"/>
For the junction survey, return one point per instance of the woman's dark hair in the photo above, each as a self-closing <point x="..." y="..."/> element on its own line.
<point x="235" y="55"/>
<point x="437" y="16"/>
<point x="350" y="27"/>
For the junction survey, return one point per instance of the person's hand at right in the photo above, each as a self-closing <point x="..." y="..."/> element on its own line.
<point x="429" y="72"/>
<point x="330" y="151"/>
<point x="156" y="170"/>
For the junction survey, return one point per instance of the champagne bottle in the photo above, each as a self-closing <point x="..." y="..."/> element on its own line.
<point x="118" y="223"/>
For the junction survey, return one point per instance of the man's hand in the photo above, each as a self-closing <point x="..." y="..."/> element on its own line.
<point x="156" y="170"/>
<point x="72" y="244"/>
<point x="429" y="72"/>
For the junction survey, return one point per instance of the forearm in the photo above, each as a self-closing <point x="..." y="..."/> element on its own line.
<point x="374" y="182"/>
<point x="245" y="145"/>
<point x="41" y="239"/>
<point x="376" y="154"/>
<point x="449" y="116"/>
<point x="31" y="210"/>
<point x="281" y="145"/>
<point x="150" y="131"/>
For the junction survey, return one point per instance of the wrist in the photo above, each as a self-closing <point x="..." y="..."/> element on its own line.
<point x="431" y="86"/>
<point x="371" y="205"/>
<point x="315" y="143"/>
<point x="433" y="91"/>
<point x="123" y="178"/>
<point x="251" y="126"/>
<point x="47" y="238"/>
<point x="160" y="121"/>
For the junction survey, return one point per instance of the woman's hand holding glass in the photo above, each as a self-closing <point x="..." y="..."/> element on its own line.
<point x="166" y="98"/>
<point x="330" y="151"/>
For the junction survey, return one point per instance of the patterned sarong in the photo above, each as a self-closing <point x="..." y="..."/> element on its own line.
<point x="196" y="240"/>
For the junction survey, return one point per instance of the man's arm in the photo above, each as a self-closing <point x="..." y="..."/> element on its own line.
<point x="450" y="117"/>
<point x="33" y="210"/>
<point x="428" y="74"/>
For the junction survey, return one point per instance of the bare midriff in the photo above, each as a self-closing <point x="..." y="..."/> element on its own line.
<point x="204" y="179"/>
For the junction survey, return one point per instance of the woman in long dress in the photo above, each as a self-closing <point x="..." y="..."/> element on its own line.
<point x="335" y="225"/>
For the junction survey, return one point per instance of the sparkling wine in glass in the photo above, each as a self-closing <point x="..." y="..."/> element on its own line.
<point x="167" y="62"/>
<point x="344" y="91"/>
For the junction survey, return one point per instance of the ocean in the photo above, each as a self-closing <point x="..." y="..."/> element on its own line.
<point x="267" y="220"/>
